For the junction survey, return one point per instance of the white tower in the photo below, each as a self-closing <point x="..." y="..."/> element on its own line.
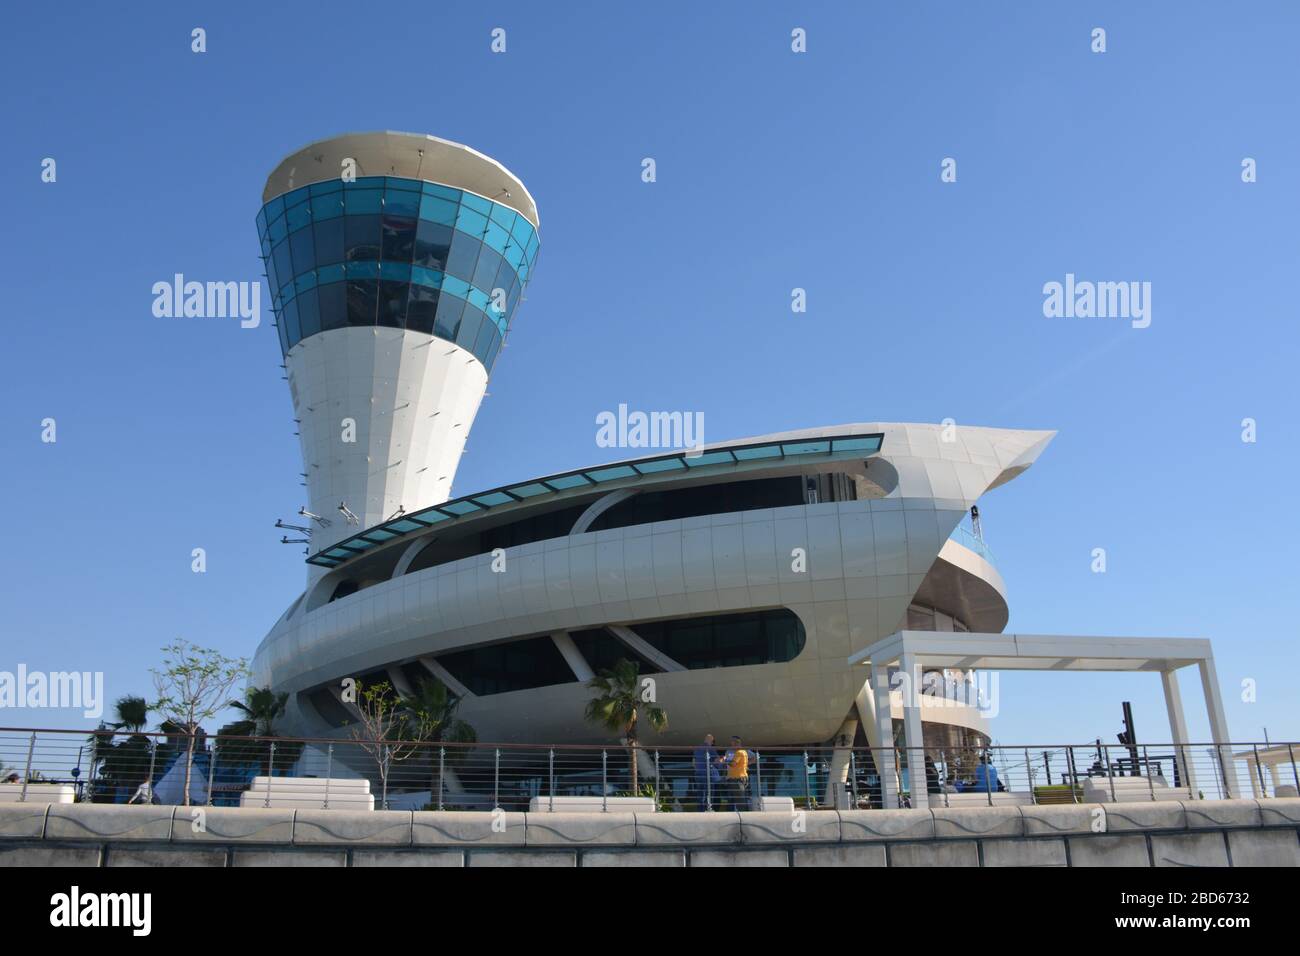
<point x="396" y="262"/>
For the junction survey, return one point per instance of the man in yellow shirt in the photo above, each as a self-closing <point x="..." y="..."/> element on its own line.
<point x="736" y="761"/>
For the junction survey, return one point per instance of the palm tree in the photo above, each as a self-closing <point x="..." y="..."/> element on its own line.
<point x="619" y="706"/>
<point x="263" y="707"/>
<point x="132" y="713"/>
<point x="433" y="708"/>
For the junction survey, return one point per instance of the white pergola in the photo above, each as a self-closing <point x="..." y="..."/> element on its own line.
<point x="917" y="652"/>
<point x="1275" y="758"/>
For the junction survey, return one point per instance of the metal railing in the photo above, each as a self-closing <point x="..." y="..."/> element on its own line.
<point x="108" y="766"/>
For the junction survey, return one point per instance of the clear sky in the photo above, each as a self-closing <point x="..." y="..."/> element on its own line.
<point x="775" y="170"/>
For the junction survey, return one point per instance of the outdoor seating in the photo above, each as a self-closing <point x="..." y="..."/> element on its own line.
<point x="308" y="793"/>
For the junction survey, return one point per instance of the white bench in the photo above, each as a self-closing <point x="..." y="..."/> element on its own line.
<point x="977" y="799"/>
<point x="38" y="793"/>
<point x="1131" y="790"/>
<point x="309" y="793"/>
<point x="591" y="804"/>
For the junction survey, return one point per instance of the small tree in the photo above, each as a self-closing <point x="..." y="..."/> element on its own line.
<point x="193" y="686"/>
<point x="620" y="704"/>
<point x="390" y="730"/>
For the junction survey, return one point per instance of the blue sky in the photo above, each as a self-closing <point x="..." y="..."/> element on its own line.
<point x="775" y="171"/>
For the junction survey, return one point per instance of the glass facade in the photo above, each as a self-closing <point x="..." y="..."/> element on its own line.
<point x="398" y="253"/>
<point x="728" y="640"/>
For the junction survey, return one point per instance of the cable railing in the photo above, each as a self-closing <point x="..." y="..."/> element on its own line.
<point x="125" y="767"/>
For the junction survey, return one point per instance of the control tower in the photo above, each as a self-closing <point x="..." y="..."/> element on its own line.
<point x="396" y="263"/>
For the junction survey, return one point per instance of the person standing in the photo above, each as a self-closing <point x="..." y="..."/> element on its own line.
<point x="707" y="776"/>
<point x="737" y="763"/>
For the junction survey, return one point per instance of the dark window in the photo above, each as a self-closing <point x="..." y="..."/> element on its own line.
<point x="728" y="640"/>
<point x="485" y="271"/>
<point x="483" y="345"/>
<point x="304" y="259"/>
<point x="541" y="527"/>
<point x="283" y="265"/>
<point x="362" y="296"/>
<point x="432" y="241"/>
<point x="423" y="305"/>
<point x="501" y="668"/>
<point x="448" y="320"/>
<point x="464" y="253"/>
<point x="328" y="706"/>
<point x="329" y="241"/>
<point x="470" y="324"/>
<point x="343" y="589"/>
<point x="399" y="239"/>
<point x="308" y="313"/>
<point x="333" y="303"/>
<point x="364" y="234"/>
<point x="284" y="332"/>
<point x="290" y="318"/>
<point x="721" y="498"/>
<point x="602" y="650"/>
<point x="392" y="304"/>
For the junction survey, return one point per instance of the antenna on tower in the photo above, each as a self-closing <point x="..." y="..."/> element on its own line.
<point x="323" y="522"/>
<point x="292" y="527"/>
<point x="288" y="540"/>
<point x="348" y="514"/>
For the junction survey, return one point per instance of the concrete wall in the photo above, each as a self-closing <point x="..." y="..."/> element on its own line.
<point x="1201" y="833"/>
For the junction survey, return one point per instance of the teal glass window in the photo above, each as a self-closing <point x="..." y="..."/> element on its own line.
<point x="395" y="252"/>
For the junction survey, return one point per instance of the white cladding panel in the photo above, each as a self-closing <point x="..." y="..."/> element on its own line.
<point x="412" y="397"/>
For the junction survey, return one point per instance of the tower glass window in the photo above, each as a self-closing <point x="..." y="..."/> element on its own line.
<point x="398" y="253"/>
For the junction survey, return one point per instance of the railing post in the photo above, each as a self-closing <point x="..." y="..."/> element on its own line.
<point x="1259" y="770"/>
<point x="1029" y="775"/>
<point x="270" y="774"/>
<point x="1151" y="784"/>
<point x="27" y="770"/>
<point x="442" y="764"/>
<point x="1074" y="775"/>
<point x="898" y="775"/>
<point x="496" y="779"/>
<point x="1105" y="756"/>
<point x="657" y="791"/>
<point x="988" y="781"/>
<point x="708" y="782"/>
<point x="550" y="779"/>
<point x="153" y="762"/>
<point x="329" y="774"/>
<point x="853" y="778"/>
<point x="757" y="796"/>
<point x="212" y="768"/>
<point x="604" y="781"/>
<point x="807" y="787"/>
<point x="1295" y="771"/>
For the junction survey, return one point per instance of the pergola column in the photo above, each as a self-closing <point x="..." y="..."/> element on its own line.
<point x="1178" y="728"/>
<point x="1218" y="723"/>
<point x="912" y="734"/>
<point x="884" y="757"/>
